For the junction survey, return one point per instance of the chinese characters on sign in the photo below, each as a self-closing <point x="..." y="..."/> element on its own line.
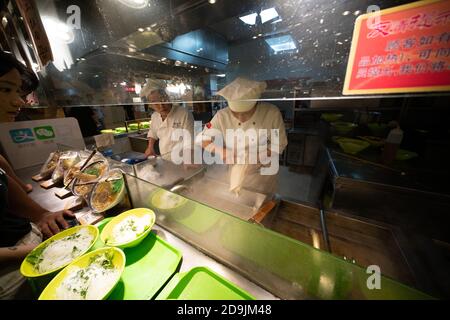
<point x="406" y="50"/>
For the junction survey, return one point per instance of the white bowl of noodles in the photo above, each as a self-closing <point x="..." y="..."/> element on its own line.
<point x="58" y="251"/>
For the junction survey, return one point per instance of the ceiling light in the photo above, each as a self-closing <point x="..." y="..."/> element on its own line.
<point x="222" y="75"/>
<point x="104" y="46"/>
<point x="249" y="19"/>
<point x="268" y="14"/>
<point x="345" y="13"/>
<point x="141" y="29"/>
<point x="135" y="4"/>
<point x="357" y="12"/>
<point x="212" y="1"/>
<point x="283" y="43"/>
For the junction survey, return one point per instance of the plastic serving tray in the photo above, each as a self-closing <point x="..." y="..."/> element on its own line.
<point x="201" y="283"/>
<point x="148" y="267"/>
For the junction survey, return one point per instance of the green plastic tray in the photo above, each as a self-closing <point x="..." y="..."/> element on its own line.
<point x="201" y="283"/>
<point x="148" y="268"/>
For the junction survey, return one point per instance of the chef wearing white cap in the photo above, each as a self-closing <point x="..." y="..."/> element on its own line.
<point x="166" y="118"/>
<point x="245" y="115"/>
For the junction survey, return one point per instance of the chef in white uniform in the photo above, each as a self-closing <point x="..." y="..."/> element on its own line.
<point x="247" y="115"/>
<point x="165" y="120"/>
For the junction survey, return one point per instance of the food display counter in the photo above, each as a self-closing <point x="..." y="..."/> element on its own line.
<point x="191" y="256"/>
<point x="263" y="263"/>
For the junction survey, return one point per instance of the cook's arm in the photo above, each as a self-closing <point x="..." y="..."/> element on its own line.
<point x="150" y="151"/>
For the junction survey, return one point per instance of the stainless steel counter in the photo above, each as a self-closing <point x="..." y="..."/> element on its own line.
<point x="191" y="256"/>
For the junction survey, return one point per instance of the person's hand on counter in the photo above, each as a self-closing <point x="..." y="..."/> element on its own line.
<point x="53" y="222"/>
<point x="150" y="151"/>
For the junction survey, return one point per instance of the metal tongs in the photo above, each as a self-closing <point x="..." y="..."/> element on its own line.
<point x="82" y="167"/>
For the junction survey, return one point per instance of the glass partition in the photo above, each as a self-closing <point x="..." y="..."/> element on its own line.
<point x="285" y="267"/>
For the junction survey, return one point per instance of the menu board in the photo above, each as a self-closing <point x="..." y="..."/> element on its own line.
<point x="401" y="49"/>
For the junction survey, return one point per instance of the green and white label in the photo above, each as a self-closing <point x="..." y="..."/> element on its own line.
<point x="44" y="133"/>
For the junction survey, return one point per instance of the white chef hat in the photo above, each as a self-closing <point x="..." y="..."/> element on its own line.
<point x="153" y="85"/>
<point x="242" y="89"/>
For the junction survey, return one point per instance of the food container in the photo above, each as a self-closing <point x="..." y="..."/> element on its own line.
<point x="108" y="131"/>
<point x="50" y="164"/>
<point x="331" y="117"/>
<point x="108" y="192"/>
<point x="403" y="155"/>
<point x="352" y="146"/>
<point x="110" y="259"/>
<point x="167" y="202"/>
<point x="29" y="267"/>
<point x="374" y="141"/>
<point x="144" y="125"/>
<point x="133" y="126"/>
<point x="88" y="177"/>
<point x="120" y="130"/>
<point x="66" y="161"/>
<point x="344" y="128"/>
<point x="128" y="222"/>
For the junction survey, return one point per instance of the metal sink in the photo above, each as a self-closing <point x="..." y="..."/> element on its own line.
<point x="139" y="142"/>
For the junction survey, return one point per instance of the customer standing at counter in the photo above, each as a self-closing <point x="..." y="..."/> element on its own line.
<point x="15" y="81"/>
<point x="166" y="118"/>
<point x="247" y="115"/>
<point x="23" y="222"/>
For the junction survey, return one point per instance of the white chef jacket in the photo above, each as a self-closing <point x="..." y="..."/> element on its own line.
<point x="178" y="118"/>
<point x="267" y="116"/>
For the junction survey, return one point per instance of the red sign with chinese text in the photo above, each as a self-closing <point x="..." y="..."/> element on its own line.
<point x="401" y="49"/>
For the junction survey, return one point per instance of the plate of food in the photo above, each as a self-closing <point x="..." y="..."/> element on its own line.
<point x="85" y="179"/>
<point x="108" y="192"/>
<point x="129" y="228"/>
<point x="169" y="202"/>
<point x="58" y="251"/>
<point x="90" y="277"/>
